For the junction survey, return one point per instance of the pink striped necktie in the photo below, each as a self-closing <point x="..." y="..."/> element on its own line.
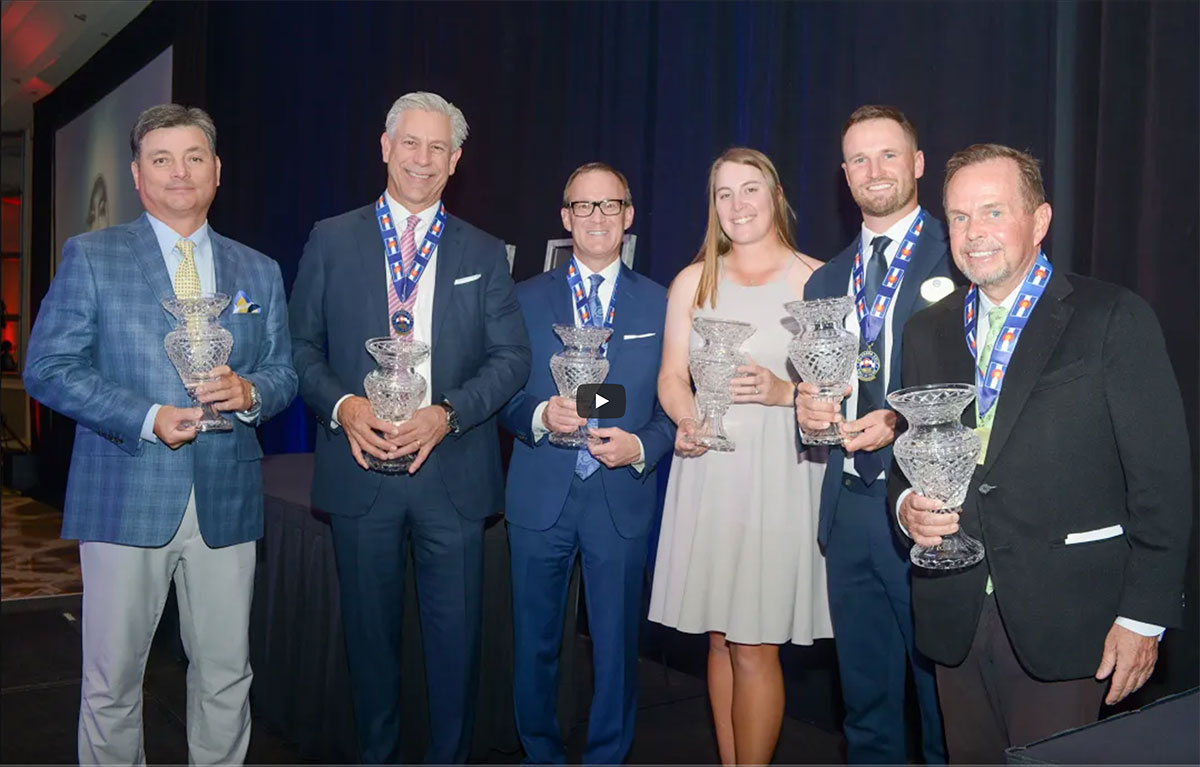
<point x="408" y="251"/>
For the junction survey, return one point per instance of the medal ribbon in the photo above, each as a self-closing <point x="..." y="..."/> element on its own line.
<point x="870" y="322"/>
<point x="579" y="295"/>
<point x="405" y="283"/>
<point x="991" y="379"/>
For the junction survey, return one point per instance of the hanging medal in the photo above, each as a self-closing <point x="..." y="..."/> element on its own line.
<point x="405" y="282"/>
<point x="991" y="378"/>
<point x="870" y="321"/>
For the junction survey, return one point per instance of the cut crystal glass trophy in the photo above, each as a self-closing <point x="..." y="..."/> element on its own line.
<point x="823" y="353"/>
<point x="713" y="366"/>
<point x="579" y="363"/>
<point x="196" y="346"/>
<point x="395" y="390"/>
<point x="938" y="455"/>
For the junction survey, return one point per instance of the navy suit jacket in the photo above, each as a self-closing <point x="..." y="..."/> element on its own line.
<point x="96" y="355"/>
<point x="931" y="258"/>
<point x="540" y="474"/>
<point x="480" y="353"/>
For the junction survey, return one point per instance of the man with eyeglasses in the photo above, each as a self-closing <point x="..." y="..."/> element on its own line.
<point x="596" y="501"/>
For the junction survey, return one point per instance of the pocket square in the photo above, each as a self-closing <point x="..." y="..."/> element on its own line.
<point x="1103" y="533"/>
<point x="243" y="305"/>
<point x="635" y="336"/>
<point x="465" y="280"/>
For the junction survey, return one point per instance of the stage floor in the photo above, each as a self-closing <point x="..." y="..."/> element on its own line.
<point x="34" y="561"/>
<point x="39" y="703"/>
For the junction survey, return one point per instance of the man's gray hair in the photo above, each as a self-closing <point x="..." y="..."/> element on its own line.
<point x="429" y="102"/>
<point x="171" y="116"/>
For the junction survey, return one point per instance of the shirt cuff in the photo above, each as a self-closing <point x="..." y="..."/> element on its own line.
<point x="333" y="421"/>
<point x="640" y="464"/>
<point x="538" y="426"/>
<point x="249" y="417"/>
<point x="899" y="501"/>
<point x="1138" y="627"/>
<point x="148" y="423"/>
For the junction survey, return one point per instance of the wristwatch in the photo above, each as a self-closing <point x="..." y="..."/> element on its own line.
<point x="451" y="416"/>
<point x="255" y="399"/>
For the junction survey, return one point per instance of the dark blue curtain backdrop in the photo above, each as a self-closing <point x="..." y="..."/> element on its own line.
<point x="1104" y="93"/>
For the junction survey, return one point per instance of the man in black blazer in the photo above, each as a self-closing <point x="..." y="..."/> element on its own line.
<point x="1081" y="498"/>
<point x="402" y="265"/>
<point x="902" y="254"/>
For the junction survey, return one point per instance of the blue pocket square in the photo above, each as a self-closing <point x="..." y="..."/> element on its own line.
<point x="243" y="305"/>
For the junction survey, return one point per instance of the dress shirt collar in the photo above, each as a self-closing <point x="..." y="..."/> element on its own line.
<point x="168" y="238"/>
<point x="400" y="216"/>
<point x="895" y="233"/>
<point x="609" y="273"/>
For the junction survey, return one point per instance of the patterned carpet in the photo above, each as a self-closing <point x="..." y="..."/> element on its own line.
<point x="34" y="561"/>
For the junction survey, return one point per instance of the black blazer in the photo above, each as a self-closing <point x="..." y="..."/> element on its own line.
<point x="1089" y="433"/>
<point x="480" y="353"/>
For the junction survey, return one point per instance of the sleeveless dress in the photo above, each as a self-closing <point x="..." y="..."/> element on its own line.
<point x="738" y="549"/>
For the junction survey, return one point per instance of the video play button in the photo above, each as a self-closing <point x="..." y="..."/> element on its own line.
<point x="600" y="401"/>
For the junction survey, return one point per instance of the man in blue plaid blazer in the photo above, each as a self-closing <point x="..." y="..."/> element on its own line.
<point x="148" y="498"/>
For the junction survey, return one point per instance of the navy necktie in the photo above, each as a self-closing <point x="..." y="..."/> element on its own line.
<point x="870" y="393"/>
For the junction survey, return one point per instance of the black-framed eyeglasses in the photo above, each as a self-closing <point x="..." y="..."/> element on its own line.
<point x="584" y="208"/>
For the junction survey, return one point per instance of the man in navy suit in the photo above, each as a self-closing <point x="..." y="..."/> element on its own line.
<point x="597" y="501"/>
<point x="898" y="265"/>
<point x="454" y="293"/>
<point x="148" y="498"/>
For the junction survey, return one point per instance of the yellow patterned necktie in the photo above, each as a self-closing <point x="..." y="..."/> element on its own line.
<point x="187" y="279"/>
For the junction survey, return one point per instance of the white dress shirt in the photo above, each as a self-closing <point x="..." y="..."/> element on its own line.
<point x="202" y="254"/>
<point x="896" y="234"/>
<point x="609" y="273"/>
<point x="423" y="307"/>
<point x="982" y="328"/>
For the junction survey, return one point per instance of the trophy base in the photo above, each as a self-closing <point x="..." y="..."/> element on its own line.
<point x="956" y="551"/>
<point x="214" y="424"/>
<point x="575" y="439"/>
<point x="395" y="466"/>
<point x="828" y="436"/>
<point x="716" y="443"/>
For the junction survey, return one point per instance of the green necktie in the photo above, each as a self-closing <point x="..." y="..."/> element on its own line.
<point x="996" y="316"/>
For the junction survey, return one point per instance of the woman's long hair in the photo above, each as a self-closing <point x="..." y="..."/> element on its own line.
<point x="716" y="243"/>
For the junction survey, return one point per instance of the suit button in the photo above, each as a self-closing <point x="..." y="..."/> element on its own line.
<point x="985" y="488"/>
<point x="846" y="481"/>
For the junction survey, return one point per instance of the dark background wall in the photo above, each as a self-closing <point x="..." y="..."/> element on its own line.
<point x="1105" y="94"/>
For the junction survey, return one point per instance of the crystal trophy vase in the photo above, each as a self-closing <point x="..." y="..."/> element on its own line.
<point x="395" y="390"/>
<point x="196" y="346"/>
<point x="823" y="353"/>
<point x="713" y="366"/>
<point x="938" y="456"/>
<point x="580" y="362"/>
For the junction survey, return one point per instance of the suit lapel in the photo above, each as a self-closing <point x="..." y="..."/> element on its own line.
<point x="926" y="255"/>
<point x="562" y="308"/>
<point x="225" y="267"/>
<point x="626" y="307"/>
<point x="1038" y="341"/>
<point x="449" y="257"/>
<point x="150" y="259"/>
<point x="368" y="255"/>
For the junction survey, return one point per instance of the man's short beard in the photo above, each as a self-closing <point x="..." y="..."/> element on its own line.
<point x="890" y="206"/>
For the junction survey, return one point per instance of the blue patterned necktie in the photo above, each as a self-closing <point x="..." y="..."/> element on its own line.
<point x="868" y="464"/>
<point x="586" y="463"/>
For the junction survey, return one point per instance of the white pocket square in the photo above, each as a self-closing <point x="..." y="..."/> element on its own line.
<point x="465" y="280"/>
<point x="1103" y="533"/>
<point x="635" y="336"/>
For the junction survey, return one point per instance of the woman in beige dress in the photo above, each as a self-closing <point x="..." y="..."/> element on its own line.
<point x="737" y="556"/>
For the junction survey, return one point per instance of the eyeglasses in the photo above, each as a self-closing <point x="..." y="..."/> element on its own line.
<point x="584" y="208"/>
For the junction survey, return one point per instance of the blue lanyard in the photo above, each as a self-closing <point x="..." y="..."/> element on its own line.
<point x="870" y="323"/>
<point x="580" y="296"/>
<point x="405" y="283"/>
<point x="991" y="379"/>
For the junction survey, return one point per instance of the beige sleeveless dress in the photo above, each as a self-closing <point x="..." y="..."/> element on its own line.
<point x="738" y="548"/>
